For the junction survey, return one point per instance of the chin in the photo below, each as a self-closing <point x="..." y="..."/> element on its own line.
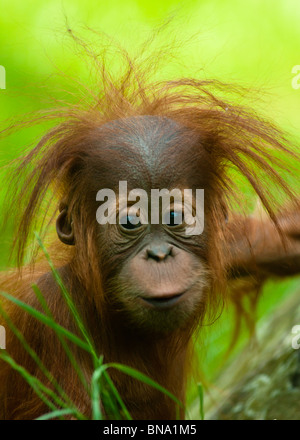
<point x="164" y="314"/>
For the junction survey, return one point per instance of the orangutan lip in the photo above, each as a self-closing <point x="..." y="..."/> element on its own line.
<point x="164" y="301"/>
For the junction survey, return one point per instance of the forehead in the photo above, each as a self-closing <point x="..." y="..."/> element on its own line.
<point x="148" y="152"/>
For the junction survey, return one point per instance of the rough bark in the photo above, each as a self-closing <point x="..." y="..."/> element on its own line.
<point x="263" y="382"/>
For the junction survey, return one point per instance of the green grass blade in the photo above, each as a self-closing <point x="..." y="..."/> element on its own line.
<point x="201" y="400"/>
<point x="111" y="398"/>
<point x="46" y="320"/>
<point x="116" y="394"/>
<point x="145" y="379"/>
<point x="96" y="392"/>
<point x="35" y="357"/>
<point x="60" y="413"/>
<point x="37" y="386"/>
<point x="61" y="338"/>
<point x="69" y="301"/>
<point x="40" y="389"/>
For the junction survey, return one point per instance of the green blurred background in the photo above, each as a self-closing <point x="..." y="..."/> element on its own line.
<point x="255" y="44"/>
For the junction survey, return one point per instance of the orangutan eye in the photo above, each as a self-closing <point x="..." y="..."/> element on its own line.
<point x="176" y="218"/>
<point x="129" y="222"/>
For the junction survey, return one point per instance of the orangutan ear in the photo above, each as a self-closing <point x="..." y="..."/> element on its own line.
<point x="64" y="227"/>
